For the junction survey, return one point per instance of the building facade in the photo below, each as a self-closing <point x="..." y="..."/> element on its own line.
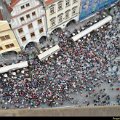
<point x="90" y="7"/>
<point x="8" y="40"/>
<point x="28" y="21"/>
<point x="60" y="12"/>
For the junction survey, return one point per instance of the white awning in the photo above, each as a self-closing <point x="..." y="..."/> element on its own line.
<point x="14" y="67"/>
<point x="49" y="52"/>
<point x="93" y="27"/>
<point x="117" y="59"/>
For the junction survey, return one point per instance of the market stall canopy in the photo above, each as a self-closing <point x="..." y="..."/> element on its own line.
<point x="49" y="52"/>
<point x="14" y="67"/>
<point x="117" y="59"/>
<point x="93" y="27"/>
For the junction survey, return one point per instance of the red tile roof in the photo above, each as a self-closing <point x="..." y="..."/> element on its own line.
<point x="7" y="6"/>
<point x="13" y="3"/>
<point x="1" y="16"/>
<point x="48" y="2"/>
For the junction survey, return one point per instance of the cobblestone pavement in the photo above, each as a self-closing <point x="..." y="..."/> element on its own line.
<point x="94" y="82"/>
<point x="111" y="91"/>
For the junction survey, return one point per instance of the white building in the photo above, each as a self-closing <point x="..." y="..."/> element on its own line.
<point x="28" y="21"/>
<point x="60" y="12"/>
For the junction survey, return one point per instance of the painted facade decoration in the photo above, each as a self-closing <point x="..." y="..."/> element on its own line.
<point x="90" y="7"/>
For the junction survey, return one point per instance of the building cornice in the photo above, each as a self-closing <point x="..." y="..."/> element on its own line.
<point x="25" y="12"/>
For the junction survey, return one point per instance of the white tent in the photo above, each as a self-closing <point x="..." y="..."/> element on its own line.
<point x="90" y="29"/>
<point x="49" y="52"/>
<point x="14" y="67"/>
<point x="117" y="59"/>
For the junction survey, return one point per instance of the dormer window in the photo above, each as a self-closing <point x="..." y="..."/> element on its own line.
<point x="22" y="7"/>
<point x="27" y="5"/>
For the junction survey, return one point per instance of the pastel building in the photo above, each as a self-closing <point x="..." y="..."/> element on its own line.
<point x="60" y="12"/>
<point x="28" y="21"/>
<point x="8" y="42"/>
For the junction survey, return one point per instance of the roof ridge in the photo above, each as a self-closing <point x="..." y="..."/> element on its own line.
<point x="13" y="3"/>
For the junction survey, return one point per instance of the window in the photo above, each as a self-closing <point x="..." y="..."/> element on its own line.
<point x="27" y="5"/>
<point x="7" y="46"/>
<point x="30" y="26"/>
<point x="75" y="1"/>
<point x="22" y="19"/>
<point x="67" y="3"/>
<point x="7" y="37"/>
<point x="23" y="39"/>
<point x="22" y="7"/>
<point x="67" y="14"/>
<point x="2" y="38"/>
<point x="60" y="18"/>
<point x="27" y="16"/>
<point x="20" y="30"/>
<point x="41" y="30"/>
<point x="1" y="48"/>
<point x="39" y="21"/>
<point x="52" y="10"/>
<point x="59" y="5"/>
<point x="12" y="45"/>
<point x="32" y="34"/>
<point x="52" y="22"/>
<point x="74" y="10"/>
<point x="33" y="14"/>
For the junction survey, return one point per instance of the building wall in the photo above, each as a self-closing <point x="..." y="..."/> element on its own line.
<point x="90" y="7"/>
<point x="55" y="16"/>
<point x="106" y="3"/>
<point x="17" y="24"/>
<point x="7" y="37"/>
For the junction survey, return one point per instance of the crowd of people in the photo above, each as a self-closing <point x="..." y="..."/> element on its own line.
<point x="13" y="59"/>
<point x="78" y="70"/>
<point x="118" y="99"/>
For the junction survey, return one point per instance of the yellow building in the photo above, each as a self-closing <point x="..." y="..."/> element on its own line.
<point x="8" y="41"/>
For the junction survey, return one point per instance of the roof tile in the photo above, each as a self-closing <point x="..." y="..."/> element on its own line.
<point x="13" y="3"/>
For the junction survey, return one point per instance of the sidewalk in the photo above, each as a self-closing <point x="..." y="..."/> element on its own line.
<point x="69" y="111"/>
